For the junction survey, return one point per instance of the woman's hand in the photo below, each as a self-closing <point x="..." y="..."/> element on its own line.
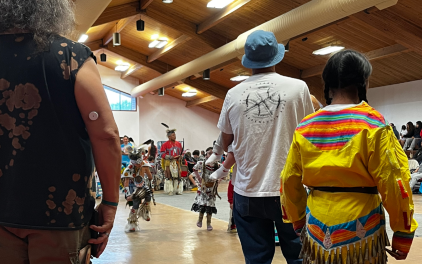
<point x="106" y="214"/>
<point x="397" y="254"/>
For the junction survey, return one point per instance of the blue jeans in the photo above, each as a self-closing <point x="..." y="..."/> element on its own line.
<point x="255" y="218"/>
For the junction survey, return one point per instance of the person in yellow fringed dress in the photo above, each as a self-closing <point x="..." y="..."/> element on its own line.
<point x="349" y="158"/>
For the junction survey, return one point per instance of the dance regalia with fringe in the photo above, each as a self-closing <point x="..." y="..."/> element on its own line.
<point x="352" y="147"/>
<point x="172" y="149"/>
<point x="141" y="195"/>
<point x="207" y="189"/>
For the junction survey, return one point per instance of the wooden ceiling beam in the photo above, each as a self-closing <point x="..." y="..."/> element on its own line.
<point x="131" y="70"/>
<point x="216" y="68"/>
<point x="201" y="101"/>
<point x="392" y="26"/>
<point x="161" y="67"/>
<point x="120" y="26"/>
<point x="386" y="52"/>
<point x="220" y="16"/>
<point x="208" y="87"/>
<point x="137" y="57"/>
<point x="145" y="4"/>
<point x="371" y="55"/>
<point x="188" y="28"/>
<point x="160" y="52"/>
<point x="95" y="45"/>
<point x="172" y="85"/>
<point x="114" y="13"/>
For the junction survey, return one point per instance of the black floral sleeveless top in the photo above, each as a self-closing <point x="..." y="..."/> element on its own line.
<point x="45" y="153"/>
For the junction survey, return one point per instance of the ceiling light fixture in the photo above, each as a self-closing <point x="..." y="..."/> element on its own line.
<point x="163" y="42"/>
<point x="83" y="38"/>
<point x="219" y="3"/>
<point x="167" y="1"/>
<point x="103" y="57"/>
<point x="161" y="91"/>
<point x="327" y="50"/>
<point x="206" y="75"/>
<point x="190" y="93"/>
<point x="116" y="38"/>
<point x="158" y="43"/>
<point x="153" y="44"/>
<point x="140" y="25"/>
<point x="122" y="67"/>
<point x="239" y="78"/>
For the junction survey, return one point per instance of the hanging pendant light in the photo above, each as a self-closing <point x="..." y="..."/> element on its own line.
<point x="103" y="57"/>
<point x="116" y="38"/>
<point x="161" y="91"/>
<point x="287" y="47"/>
<point x="206" y="75"/>
<point x="167" y="1"/>
<point x="140" y="25"/>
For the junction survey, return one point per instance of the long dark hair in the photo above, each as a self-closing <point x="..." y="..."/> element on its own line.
<point x="347" y="69"/>
<point x="153" y="149"/>
<point x="410" y="128"/>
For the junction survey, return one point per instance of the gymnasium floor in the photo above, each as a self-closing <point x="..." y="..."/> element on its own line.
<point x="172" y="236"/>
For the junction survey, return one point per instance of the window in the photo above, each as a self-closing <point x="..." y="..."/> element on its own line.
<point x="120" y="101"/>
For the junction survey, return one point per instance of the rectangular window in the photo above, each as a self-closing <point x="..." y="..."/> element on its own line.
<point x="120" y="101"/>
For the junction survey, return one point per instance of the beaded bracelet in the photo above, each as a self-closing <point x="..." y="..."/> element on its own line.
<point x="109" y="203"/>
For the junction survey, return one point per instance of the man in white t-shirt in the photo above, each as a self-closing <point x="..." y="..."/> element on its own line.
<point x="258" y="118"/>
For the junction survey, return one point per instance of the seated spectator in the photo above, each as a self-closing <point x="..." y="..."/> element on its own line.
<point x="403" y="131"/>
<point x="410" y="128"/>
<point x="418" y="155"/>
<point x="193" y="160"/>
<point x="415" y="177"/>
<point x="396" y="133"/>
<point x="195" y="154"/>
<point x="413" y="141"/>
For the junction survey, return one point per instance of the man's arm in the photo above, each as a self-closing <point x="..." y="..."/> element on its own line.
<point x="227" y="140"/>
<point x="163" y="150"/>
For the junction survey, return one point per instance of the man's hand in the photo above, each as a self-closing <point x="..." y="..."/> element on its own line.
<point x="231" y="206"/>
<point x="107" y="214"/>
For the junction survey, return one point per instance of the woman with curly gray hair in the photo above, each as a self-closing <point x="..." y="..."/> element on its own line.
<point x="51" y="91"/>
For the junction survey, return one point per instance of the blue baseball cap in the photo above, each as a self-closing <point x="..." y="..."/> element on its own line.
<point x="262" y="50"/>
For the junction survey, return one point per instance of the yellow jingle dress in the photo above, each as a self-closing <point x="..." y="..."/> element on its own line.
<point x="352" y="147"/>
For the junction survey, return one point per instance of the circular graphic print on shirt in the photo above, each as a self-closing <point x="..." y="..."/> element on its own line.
<point x="262" y="102"/>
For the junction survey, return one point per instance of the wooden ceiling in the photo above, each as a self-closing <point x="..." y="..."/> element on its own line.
<point x="391" y="38"/>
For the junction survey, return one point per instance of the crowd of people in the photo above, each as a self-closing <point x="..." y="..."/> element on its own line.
<point x="341" y="167"/>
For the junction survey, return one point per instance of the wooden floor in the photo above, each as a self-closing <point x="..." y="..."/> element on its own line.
<point x="172" y="237"/>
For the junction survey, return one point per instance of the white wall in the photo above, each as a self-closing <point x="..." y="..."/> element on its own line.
<point x="196" y="125"/>
<point x="399" y="103"/>
<point x="127" y="121"/>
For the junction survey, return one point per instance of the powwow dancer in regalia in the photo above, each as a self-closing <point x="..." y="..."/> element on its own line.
<point x="171" y="155"/>
<point x="140" y="196"/>
<point x="207" y="190"/>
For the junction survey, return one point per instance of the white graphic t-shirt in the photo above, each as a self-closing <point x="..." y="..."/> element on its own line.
<point x="262" y="113"/>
